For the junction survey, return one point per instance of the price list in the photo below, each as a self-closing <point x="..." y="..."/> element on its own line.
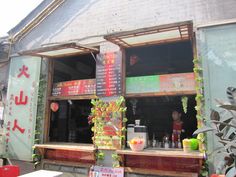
<point x="108" y="74"/>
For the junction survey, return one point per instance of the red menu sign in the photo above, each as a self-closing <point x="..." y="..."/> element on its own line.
<point x="72" y="88"/>
<point x="108" y="74"/>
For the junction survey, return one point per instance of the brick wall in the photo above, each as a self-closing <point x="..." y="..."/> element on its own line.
<point x="91" y="19"/>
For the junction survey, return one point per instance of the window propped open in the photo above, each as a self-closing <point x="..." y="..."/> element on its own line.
<point x="153" y="35"/>
<point x="60" y="50"/>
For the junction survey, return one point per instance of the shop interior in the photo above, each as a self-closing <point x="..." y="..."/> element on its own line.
<point x="155" y="113"/>
<point x="74" y="68"/>
<point x="159" y="59"/>
<point x="69" y="123"/>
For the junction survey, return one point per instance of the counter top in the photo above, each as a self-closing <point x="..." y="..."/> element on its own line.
<point x="67" y="146"/>
<point x="163" y="153"/>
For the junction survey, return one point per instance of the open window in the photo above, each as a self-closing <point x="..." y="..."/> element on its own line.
<point x="159" y="74"/>
<point x="159" y="59"/>
<point x="73" y="78"/>
<point x="69" y="123"/>
<point x="156" y="114"/>
<point x="74" y="68"/>
<point x="72" y="82"/>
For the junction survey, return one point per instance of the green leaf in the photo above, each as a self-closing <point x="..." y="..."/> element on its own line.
<point x="123" y="129"/>
<point x="37" y="140"/>
<point x="93" y="102"/>
<point x="101" y="155"/>
<point x="36" y="164"/>
<point x="199" y="117"/>
<point x="125" y="119"/>
<point x="124" y="109"/>
<point x="195" y="60"/>
<point x="114" y="156"/>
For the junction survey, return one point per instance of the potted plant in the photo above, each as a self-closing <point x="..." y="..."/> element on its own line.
<point x="223" y="126"/>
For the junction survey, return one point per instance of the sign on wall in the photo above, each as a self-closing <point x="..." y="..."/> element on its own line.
<point x="174" y="83"/>
<point x="177" y="82"/>
<point x="21" y="107"/>
<point x="108" y="74"/>
<point x="143" y="84"/>
<point x="76" y="87"/>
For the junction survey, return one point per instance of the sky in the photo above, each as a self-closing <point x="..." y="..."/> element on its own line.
<point x="13" y="11"/>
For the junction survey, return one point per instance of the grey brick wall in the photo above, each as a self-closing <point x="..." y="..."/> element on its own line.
<point x="91" y="19"/>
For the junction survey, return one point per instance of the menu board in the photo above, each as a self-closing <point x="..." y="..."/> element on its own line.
<point x="108" y="74"/>
<point x="161" y="83"/>
<point x="143" y="84"/>
<point x="76" y="87"/>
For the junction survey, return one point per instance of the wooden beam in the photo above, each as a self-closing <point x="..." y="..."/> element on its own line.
<point x="143" y="30"/>
<point x="119" y="38"/>
<point x="39" y="51"/>
<point x="67" y="146"/>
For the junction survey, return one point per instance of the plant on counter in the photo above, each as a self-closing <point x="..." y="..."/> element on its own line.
<point x="223" y="125"/>
<point x="108" y="126"/>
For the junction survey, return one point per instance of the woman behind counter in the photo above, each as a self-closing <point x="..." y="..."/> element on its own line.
<point x="178" y="131"/>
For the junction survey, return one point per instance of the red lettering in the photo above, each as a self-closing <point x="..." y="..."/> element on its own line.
<point x="16" y="126"/>
<point x="20" y="101"/>
<point x="23" y="71"/>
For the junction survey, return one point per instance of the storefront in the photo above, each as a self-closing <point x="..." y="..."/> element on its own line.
<point x="86" y="76"/>
<point x="152" y="69"/>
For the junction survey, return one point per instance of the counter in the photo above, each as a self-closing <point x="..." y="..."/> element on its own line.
<point x="67" y="153"/>
<point x="171" y="162"/>
<point x="161" y="152"/>
<point x="150" y="161"/>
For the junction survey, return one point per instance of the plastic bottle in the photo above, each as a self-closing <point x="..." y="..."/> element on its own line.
<point x="166" y="142"/>
<point x="179" y="142"/>
<point x="173" y="140"/>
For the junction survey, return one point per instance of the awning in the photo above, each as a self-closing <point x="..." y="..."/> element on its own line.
<point x="60" y="50"/>
<point x="153" y="35"/>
